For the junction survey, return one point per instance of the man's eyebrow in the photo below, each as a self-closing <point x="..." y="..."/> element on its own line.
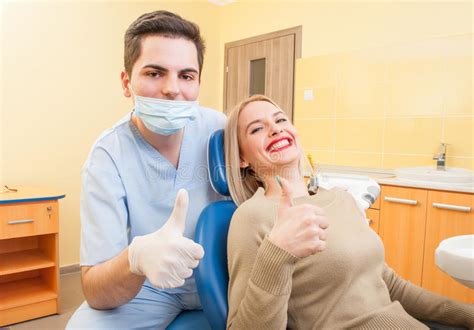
<point x="163" y="69"/>
<point x="155" y="66"/>
<point x="259" y="120"/>
<point x="186" y="70"/>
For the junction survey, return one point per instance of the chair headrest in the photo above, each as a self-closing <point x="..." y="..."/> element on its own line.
<point x="216" y="163"/>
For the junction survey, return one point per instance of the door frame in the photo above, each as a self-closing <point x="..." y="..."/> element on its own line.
<point x="297" y="31"/>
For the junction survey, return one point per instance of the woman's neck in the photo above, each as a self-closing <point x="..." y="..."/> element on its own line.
<point x="294" y="178"/>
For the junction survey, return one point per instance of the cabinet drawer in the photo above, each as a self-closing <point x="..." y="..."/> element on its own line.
<point x="26" y="219"/>
<point x="373" y="217"/>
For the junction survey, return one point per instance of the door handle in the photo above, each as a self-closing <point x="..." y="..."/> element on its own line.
<point x="400" y="200"/>
<point x="16" y="222"/>
<point x="452" y="207"/>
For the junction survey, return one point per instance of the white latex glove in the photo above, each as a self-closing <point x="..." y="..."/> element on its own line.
<point x="166" y="257"/>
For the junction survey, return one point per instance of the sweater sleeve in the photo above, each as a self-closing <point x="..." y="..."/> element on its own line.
<point x="260" y="278"/>
<point x="425" y="305"/>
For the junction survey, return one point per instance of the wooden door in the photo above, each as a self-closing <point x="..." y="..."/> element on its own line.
<point x="402" y="229"/>
<point x="441" y="224"/>
<point x="262" y="65"/>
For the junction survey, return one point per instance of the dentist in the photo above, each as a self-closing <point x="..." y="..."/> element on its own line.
<point x="137" y="255"/>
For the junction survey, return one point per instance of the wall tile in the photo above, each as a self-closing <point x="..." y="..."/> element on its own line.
<point x="458" y="80"/>
<point x="321" y="106"/>
<point x="358" y="159"/>
<point x="415" y="97"/>
<point x="321" y="156"/>
<point x="398" y="102"/>
<point x="459" y="136"/>
<point x="395" y="161"/>
<point x="362" y="99"/>
<point x="362" y="135"/>
<point x="460" y="162"/>
<point x="317" y="71"/>
<point x="316" y="133"/>
<point x="412" y="135"/>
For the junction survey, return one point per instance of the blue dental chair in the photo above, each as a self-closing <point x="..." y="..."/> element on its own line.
<point x="211" y="232"/>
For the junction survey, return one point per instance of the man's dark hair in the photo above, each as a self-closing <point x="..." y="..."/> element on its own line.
<point x="163" y="23"/>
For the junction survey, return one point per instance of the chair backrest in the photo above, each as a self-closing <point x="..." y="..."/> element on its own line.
<point x="211" y="232"/>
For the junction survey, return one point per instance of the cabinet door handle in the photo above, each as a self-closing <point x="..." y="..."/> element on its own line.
<point x="16" y="222"/>
<point x="452" y="207"/>
<point x="370" y="221"/>
<point x="400" y="200"/>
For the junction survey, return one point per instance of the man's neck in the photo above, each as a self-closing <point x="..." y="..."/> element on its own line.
<point x="168" y="146"/>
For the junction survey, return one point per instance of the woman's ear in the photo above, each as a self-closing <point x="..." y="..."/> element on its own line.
<point x="243" y="163"/>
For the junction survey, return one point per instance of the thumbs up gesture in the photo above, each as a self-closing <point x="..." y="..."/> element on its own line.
<point x="301" y="229"/>
<point x="166" y="257"/>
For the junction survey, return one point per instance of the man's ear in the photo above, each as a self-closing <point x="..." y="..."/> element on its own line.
<point x="125" y="83"/>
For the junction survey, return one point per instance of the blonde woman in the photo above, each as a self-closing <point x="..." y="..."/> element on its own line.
<point x="307" y="262"/>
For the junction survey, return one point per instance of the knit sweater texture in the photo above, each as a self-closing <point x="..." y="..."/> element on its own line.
<point x="348" y="285"/>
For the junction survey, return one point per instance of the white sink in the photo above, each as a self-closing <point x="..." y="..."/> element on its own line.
<point x="451" y="175"/>
<point x="455" y="256"/>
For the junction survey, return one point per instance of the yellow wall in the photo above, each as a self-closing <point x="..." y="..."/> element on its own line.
<point x="388" y="106"/>
<point x="61" y="89"/>
<point x="340" y="26"/>
<point x="61" y="63"/>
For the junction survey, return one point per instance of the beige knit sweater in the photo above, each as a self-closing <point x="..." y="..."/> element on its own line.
<point x="348" y="285"/>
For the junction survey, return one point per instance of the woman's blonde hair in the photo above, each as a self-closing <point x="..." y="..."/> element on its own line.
<point x="243" y="182"/>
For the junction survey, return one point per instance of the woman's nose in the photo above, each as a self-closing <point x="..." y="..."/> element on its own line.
<point x="170" y="87"/>
<point x="275" y="130"/>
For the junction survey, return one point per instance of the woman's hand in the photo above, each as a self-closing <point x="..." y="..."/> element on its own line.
<point x="300" y="230"/>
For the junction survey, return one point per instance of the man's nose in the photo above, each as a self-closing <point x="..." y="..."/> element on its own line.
<point x="170" y="87"/>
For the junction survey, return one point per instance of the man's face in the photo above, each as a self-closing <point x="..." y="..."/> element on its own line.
<point x="167" y="69"/>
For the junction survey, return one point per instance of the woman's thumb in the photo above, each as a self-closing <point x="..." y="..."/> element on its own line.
<point x="286" y="193"/>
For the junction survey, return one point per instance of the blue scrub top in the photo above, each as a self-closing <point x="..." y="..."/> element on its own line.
<point x="129" y="188"/>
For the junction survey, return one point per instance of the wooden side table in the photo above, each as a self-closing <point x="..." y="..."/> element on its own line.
<point x="29" y="258"/>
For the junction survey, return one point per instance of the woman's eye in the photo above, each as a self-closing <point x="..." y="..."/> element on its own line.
<point x="281" y="120"/>
<point x="255" y="130"/>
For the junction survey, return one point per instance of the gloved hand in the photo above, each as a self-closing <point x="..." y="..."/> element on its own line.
<point x="166" y="257"/>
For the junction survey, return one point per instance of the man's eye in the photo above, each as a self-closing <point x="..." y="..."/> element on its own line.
<point x="153" y="74"/>
<point x="187" y="77"/>
<point x="255" y="130"/>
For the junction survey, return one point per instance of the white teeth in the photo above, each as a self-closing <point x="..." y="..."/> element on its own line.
<point x="280" y="144"/>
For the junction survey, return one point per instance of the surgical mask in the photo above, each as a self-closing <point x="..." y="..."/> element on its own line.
<point x="165" y="117"/>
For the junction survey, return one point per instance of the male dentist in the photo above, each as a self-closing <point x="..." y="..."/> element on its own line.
<point x="137" y="255"/>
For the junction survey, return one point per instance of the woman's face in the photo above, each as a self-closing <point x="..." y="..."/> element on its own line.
<point x="267" y="138"/>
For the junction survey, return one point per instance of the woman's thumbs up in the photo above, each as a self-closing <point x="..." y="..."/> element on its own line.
<point x="301" y="229"/>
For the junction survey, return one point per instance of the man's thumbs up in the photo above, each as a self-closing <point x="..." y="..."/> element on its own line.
<point x="166" y="257"/>
<point x="177" y="218"/>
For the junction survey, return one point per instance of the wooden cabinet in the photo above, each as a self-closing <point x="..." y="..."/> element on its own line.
<point x="373" y="218"/>
<point x="443" y="222"/>
<point x="402" y="229"/>
<point x="29" y="262"/>
<point x="412" y="224"/>
<point x="373" y="215"/>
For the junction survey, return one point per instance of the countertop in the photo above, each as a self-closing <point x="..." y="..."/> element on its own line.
<point x="387" y="177"/>
<point x="28" y="194"/>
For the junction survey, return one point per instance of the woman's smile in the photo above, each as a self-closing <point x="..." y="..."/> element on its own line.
<point x="279" y="144"/>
